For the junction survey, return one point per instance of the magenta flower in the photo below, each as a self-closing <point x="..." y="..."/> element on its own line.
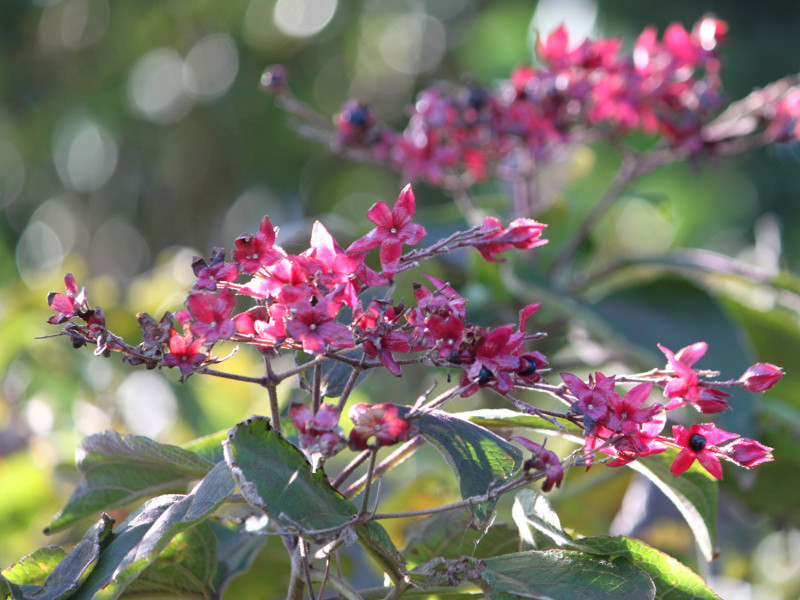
<point x="216" y="270"/>
<point x="378" y="424"/>
<point x="593" y="400"/>
<point x="212" y="315"/>
<point x="699" y="443"/>
<point x="185" y="353"/>
<point x="760" y="377"/>
<point x="73" y="304"/>
<point x="256" y="251"/>
<point x="521" y="233"/>
<point x="313" y="326"/>
<point x="685" y="387"/>
<point x="393" y="229"/>
<point x="319" y="433"/>
<point x="543" y="460"/>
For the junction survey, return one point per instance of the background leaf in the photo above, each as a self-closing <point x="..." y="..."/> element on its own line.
<point x="118" y="469"/>
<point x="276" y="476"/>
<point x="479" y="458"/>
<point x="566" y="575"/>
<point x="694" y="494"/>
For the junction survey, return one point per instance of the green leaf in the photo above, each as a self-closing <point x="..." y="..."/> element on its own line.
<point x="276" y="477"/>
<point x="566" y="575"/>
<point x="479" y="458"/>
<point x="184" y="569"/>
<point x="538" y="523"/>
<point x="209" y="446"/>
<point x="36" y="567"/>
<point x="237" y="549"/>
<point x="694" y="493"/>
<point x="673" y="579"/>
<point x="493" y="418"/>
<point x="142" y="540"/>
<point x="118" y="469"/>
<point x="78" y="564"/>
<point x="452" y="534"/>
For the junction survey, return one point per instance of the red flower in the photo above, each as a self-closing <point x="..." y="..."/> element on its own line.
<point x="379" y="422"/>
<point x="319" y="433"/>
<point x="593" y="399"/>
<point x="543" y="460"/>
<point x="212" y="315"/>
<point x="521" y="233"/>
<point x="394" y="228"/>
<point x="184" y="353"/>
<point x="254" y="252"/>
<point x="760" y="377"/>
<point x="70" y="305"/>
<point x="313" y="325"/>
<point x="208" y="274"/>
<point x="685" y="388"/>
<point x="699" y="443"/>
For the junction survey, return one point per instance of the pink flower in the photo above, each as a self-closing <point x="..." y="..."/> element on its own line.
<point x="593" y="400"/>
<point x="185" y="353"/>
<point x="254" y="252"/>
<point x="378" y="424"/>
<point x="393" y="229"/>
<point x="543" y="460"/>
<point x="73" y="304"/>
<point x="748" y="453"/>
<point x="685" y="387"/>
<point x="760" y="377"/>
<point x="212" y="315"/>
<point x="521" y="233"/>
<point x="313" y="326"/>
<point x="699" y="443"/>
<point x="319" y="433"/>
<point x="216" y="270"/>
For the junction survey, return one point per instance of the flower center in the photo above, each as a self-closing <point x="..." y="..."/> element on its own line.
<point x="393" y="230"/>
<point x="697" y="442"/>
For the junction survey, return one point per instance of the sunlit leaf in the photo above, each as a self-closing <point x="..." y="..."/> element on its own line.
<point x="118" y="469"/>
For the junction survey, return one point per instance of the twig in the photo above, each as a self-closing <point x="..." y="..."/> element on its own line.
<point x="391" y="461"/>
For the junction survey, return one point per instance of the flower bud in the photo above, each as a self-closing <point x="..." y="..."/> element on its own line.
<point x="760" y="377"/>
<point x="748" y="453"/>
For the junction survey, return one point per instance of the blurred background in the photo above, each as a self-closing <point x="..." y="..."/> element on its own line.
<point x="133" y="137"/>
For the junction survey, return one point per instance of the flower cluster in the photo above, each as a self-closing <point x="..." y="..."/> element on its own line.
<point x="625" y="429"/>
<point x="314" y="302"/>
<point x="669" y="87"/>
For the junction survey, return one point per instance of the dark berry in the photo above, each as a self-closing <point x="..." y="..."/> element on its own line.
<point x="697" y="442"/>
<point x="484" y="376"/>
<point x="527" y="367"/>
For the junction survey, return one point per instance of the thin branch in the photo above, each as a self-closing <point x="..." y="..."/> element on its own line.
<point x="350" y="469"/>
<point x="391" y="461"/>
<point x="368" y="481"/>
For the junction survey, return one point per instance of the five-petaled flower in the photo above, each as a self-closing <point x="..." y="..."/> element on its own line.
<point x="393" y="229"/>
<point x="185" y="352"/>
<point x="699" y="442"/>
<point x="377" y="425"/>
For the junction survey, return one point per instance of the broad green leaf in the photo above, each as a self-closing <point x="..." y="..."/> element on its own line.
<point x="183" y="514"/>
<point x="673" y="579"/>
<point x="538" y="523"/>
<point x="142" y="540"/>
<point x="276" y="477"/>
<point x="118" y="469"/>
<point x="694" y="493"/>
<point x="73" y="570"/>
<point x="209" y="446"/>
<point x="36" y="567"/>
<point x="479" y="458"/>
<point x="184" y="569"/>
<point x="452" y="534"/>
<point x="566" y="575"/>
<point x="493" y="418"/>
<point x="237" y="549"/>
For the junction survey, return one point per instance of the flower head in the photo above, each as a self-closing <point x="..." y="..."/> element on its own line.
<point x="699" y="443"/>
<point x="393" y="229"/>
<point x="760" y="377"/>
<point x="377" y="424"/>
